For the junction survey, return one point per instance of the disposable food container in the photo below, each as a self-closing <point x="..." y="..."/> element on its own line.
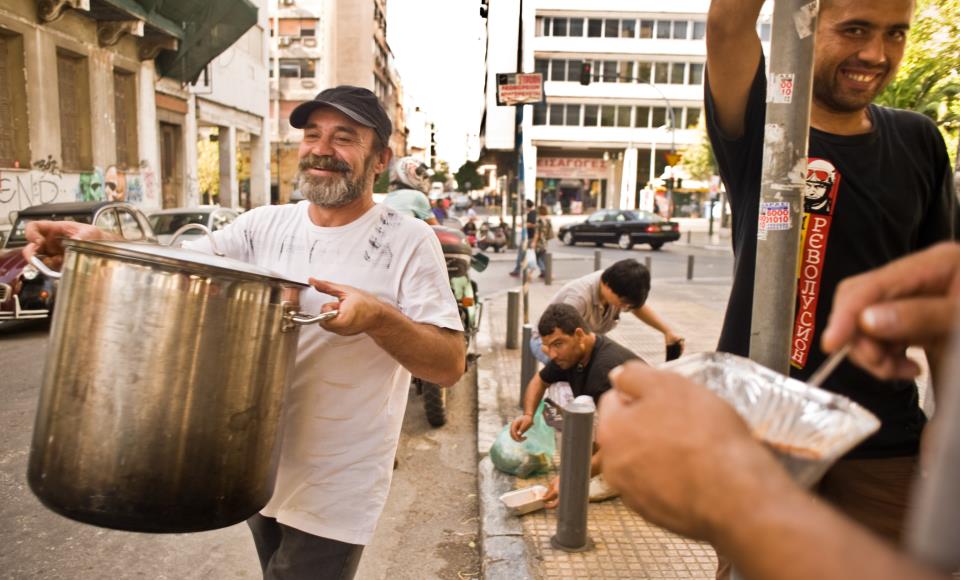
<point x="807" y="428"/>
<point x="524" y="501"/>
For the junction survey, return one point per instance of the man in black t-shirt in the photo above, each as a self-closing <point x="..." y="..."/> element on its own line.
<point x="581" y="359"/>
<point x="877" y="188"/>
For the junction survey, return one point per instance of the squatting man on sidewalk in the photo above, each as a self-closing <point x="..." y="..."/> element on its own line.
<point x="600" y="297"/>
<point x="580" y="361"/>
<point x="730" y="490"/>
<point x="386" y="275"/>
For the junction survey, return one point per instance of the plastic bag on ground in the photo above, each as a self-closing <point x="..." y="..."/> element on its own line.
<point x="525" y="458"/>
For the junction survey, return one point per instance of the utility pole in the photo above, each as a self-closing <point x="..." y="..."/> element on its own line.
<point x="786" y="136"/>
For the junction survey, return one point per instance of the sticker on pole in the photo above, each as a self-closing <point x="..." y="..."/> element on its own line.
<point x="519" y="89"/>
<point x="774" y="216"/>
<point x="780" y="88"/>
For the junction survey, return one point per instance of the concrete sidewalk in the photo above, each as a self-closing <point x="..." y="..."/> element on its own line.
<point x="625" y="546"/>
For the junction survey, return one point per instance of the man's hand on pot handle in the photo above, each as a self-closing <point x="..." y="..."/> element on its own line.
<point x="359" y="311"/>
<point x="520" y="426"/>
<point x="45" y="237"/>
<point x="911" y="301"/>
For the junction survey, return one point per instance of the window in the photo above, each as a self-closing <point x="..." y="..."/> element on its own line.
<point x="559" y="26"/>
<point x="626" y="72"/>
<point x="609" y="71"/>
<point x="125" y="117"/>
<point x="594" y="28"/>
<point x="573" y="70"/>
<point x="308" y="27"/>
<point x="644" y="72"/>
<point x="611" y="28"/>
<point x="693" y="117"/>
<point x="663" y="29"/>
<point x="540" y="114"/>
<point x="646" y="29"/>
<point x="303" y="68"/>
<point x="658" y="117"/>
<point x="75" y="132"/>
<point x="623" y="116"/>
<point x="699" y="29"/>
<point x="642" y="117"/>
<point x="541" y="65"/>
<point x="558" y="70"/>
<point x="680" y="29"/>
<point x="608" y="116"/>
<point x="14" y="130"/>
<point x="576" y="27"/>
<point x="590" y="115"/>
<point x="677" y="72"/>
<point x="573" y="115"/>
<point x="696" y="73"/>
<point x="661" y="72"/>
<point x="628" y="28"/>
<point x="556" y="115"/>
<point x="543" y="25"/>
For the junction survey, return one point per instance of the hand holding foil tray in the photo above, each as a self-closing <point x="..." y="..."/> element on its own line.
<point x="807" y="428"/>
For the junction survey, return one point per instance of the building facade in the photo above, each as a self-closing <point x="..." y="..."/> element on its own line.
<point x="96" y="101"/>
<point x="608" y="143"/>
<point x="318" y="44"/>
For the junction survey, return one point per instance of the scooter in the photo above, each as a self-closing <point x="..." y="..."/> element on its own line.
<point x="460" y="260"/>
<point x="491" y="237"/>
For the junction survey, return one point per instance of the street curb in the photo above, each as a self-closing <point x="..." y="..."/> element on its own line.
<point x="503" y="551"/>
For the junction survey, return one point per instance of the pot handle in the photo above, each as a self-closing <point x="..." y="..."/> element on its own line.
<point x="302" y="319"/>
<point x="186" y="228"/>
<point x="39" y="265"/>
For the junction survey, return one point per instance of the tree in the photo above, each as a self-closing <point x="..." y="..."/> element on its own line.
<point x="928" y="81"/>
<point x="698" y="159"/>
<point x="467" y="176"/>
<point x="441" y="172"/>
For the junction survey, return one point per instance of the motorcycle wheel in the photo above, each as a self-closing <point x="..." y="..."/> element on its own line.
<point x="435" y="404"/>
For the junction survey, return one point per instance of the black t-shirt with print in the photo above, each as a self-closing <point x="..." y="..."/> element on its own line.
<point x="591" y="379"/>
<point x="870" y="199"/>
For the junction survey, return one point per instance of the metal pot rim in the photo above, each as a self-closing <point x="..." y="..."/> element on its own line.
<point x="180" y="259"/>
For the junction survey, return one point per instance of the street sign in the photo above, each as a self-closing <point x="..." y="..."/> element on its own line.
<point x="673" y="158"/>
<point x="519" y="88"/>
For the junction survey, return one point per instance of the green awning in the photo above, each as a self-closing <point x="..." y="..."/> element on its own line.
<point x="203" y="30"/>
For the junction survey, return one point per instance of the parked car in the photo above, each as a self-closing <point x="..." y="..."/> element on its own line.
<point x="623" y="227"/>
<point x="24" y="292"/>
<point x="166" y="222"/>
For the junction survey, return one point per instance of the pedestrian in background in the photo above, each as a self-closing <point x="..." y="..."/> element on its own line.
<point x="544" y="234"/>
<point x="526" y="236"/>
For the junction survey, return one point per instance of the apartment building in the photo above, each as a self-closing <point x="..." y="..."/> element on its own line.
<point x="323" y="43"/>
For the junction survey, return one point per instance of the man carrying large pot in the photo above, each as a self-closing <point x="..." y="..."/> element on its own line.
<point x="349" y="388"/>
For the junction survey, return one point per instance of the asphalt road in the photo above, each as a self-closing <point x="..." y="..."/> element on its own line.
<point x="428" y="530"/>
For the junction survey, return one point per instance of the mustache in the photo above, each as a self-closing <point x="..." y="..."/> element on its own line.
<point x="324" y="162"/>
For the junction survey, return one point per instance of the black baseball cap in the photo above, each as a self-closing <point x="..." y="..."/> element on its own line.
<point x="358" y="103"/>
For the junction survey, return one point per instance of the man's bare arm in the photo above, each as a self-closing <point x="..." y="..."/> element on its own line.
<point x="648" y="316"/>
<point x="733" y="53"/>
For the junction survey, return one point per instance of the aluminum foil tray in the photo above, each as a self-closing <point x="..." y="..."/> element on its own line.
<point x="807" y="428"/>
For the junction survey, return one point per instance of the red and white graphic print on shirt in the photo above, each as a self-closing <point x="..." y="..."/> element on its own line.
<point x="820" y="199"/>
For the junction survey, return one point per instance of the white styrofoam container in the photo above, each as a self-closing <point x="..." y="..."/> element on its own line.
<point x="524" y="501"/>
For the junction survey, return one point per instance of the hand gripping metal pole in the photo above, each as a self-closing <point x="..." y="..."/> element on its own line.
<point x="576" y="448"/>
<point x="786" y="135"/>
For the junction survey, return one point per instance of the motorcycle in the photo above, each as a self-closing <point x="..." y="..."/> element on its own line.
<point x="491" y="237"/>
<point x="460" y="260"/>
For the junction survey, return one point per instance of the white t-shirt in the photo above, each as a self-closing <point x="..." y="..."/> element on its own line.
<point x="347" y="396"/>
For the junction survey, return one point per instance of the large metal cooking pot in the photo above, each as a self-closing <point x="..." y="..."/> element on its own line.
<point x="163" y="388"/>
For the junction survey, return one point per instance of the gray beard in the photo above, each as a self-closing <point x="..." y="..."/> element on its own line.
<point x="331" y="192"/>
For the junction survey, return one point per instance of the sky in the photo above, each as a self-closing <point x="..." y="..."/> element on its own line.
<point x="438" y="46"/>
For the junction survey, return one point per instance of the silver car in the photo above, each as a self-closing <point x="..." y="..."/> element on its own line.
<point x="166" y="222"/>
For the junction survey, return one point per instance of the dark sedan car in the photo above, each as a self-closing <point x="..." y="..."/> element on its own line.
<point x="623" y="227"/>
<point x="24" y="292"/>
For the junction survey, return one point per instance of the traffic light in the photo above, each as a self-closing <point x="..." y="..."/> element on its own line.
<point x="586" y="73"/>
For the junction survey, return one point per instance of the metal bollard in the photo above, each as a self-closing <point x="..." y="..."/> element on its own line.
<point x="513" y="318"/>
<point x="690" y="267"/>
<point x="689" y="235"/>
<point x="528" y="364"/>
<point x="548" y="272"/>
<point x="525" y="285"/>
<point x="576" y="448"/>
<point x="648" y="263"/>
<point x="597" y="254"/>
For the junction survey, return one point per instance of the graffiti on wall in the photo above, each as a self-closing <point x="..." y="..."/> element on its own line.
<point x="46" y="182"/>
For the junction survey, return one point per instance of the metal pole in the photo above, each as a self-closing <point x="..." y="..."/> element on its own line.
<point x="548" y="274"/>
<point x="528" y="364"/>
<point x="525" y="286"/>
<point x="689" y="235"/>
<point x="648" y="263"/>
<point x="597" y="254"/>
<point x="710" y="222"/>
<point x="782" y="182"/>
<point x="576" y="448"/>
<point x="690" y="267"/>
<point x="513" y="318"/>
